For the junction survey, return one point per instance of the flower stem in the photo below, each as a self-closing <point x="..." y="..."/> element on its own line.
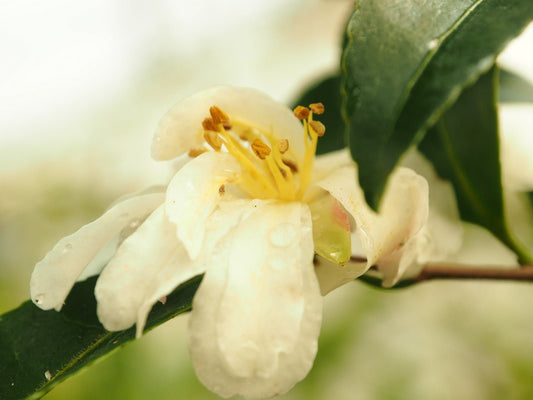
<point x="433" y="271"/>
<point x="453" y="271"/>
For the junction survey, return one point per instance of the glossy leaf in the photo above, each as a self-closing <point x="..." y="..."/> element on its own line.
<point x="406" y="61"/>
<point x="39" y="349"/>
<point x="327" y="91"/>
<point x="464" y="148"/>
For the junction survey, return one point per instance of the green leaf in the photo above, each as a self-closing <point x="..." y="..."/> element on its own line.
<point x="39" y="349"/>
<point x="514" y="88"/>
<point x="406" y="61"/>
<point x="327" y="92"/>
<point x="464" y="148"/>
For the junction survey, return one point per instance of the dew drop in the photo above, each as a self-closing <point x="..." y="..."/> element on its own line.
<point x="432" y="44"/>
<point x="38" y="299"/>
<point x="282" y="235"/>
<point x="48" y="375"/>
<point x="134" y="224"/>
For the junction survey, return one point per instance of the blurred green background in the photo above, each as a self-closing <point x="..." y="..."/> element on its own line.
<point x="82" y="91"/>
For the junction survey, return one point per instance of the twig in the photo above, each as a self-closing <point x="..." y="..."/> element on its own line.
<point x="458" y="271"/>
<point x="450" y="271"/>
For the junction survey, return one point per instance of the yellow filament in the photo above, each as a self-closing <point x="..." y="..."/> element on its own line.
<point x="309" y="155"/>
<point x="240" y="153"/>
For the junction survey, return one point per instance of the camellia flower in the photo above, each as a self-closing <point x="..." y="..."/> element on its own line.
<point x="250" y="209"/>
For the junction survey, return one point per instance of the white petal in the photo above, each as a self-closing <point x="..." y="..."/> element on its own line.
<point x="403" y="212"/>
<point x="330" y="275"/>
<point x="326" y="164"/>
<point x="443" y="232"/>
<point x="100" y="260"/>
<point x="55" y="274"/>
<point x="148" y="265"/>
<point x="193" y="194"/>
<point x="516" y="121"/>
<point x="181" y="128"/>
<point x="256" y="316"/>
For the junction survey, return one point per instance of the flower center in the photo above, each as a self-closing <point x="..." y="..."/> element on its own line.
<point x="270" y="168"/>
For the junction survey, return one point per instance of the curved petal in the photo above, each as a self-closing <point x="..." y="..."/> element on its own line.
<point x="55" y="274"/>
<point x="193" y="194"/>
<point x="181" y="127"/>
<point x="148" y="265"/>
<point x="403" y="212"/>
<point x="256" y="316"/>
<point x="331" y="276"/>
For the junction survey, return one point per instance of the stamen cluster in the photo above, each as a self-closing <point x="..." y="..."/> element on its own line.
<point x="270" y="168"/>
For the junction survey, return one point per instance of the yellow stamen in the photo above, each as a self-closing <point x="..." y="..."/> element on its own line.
<point x="283" y="146"/>
<point x="268" y="163"/>
<point x="213" y="139"/>
<point x="196" y="151"/>
<point x="301" y="112"/>
<point x="260" y="149"/>
<point x="209" y="125"/>
<point x="318" y="127"/>
<point x="258" y="177"/>
<point x="317" y="108"/>
<point x="218" y="115"/>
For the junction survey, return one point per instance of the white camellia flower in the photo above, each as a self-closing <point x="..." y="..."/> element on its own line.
<point x="250" y="210"/>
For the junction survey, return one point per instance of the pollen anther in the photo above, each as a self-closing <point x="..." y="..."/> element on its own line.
<point x="212" y="138"/>
<point x="301" y="112"/>
<point x="317" y="108"/>
<point x="260" y="149"/>
<point x="283" y="146"/>
<point x="218" y="115"/>
<point x="318" y="127"/>
<point x="209" y="125"/>
<point x="196" y="151"/>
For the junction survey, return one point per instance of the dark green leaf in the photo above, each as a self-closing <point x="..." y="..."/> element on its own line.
<point x="514" y="88"/>
<point x="464" y="148"/>
<point x="406" y="61"/>
<point x="327" y="91"/>
<point x="38" y="349"/>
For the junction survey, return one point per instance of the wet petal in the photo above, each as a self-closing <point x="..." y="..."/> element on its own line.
<point x="256" y="316"/>
<point x="403" y="212"/>
<point x="55" y="274"/>
<point x="181" y="128"/>
<point x="193" y="194"/>
<point x="148" y="265"/>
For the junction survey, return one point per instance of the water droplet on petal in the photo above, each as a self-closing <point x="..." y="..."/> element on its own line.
<point x="38" y="299"/>
<point x="282" y="235"/>
<point x="67" y="248"/>
<point x="48" y="375"/>
<point x="134" y="223"/>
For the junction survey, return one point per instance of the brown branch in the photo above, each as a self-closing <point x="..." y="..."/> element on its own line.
<point x="458" y="271"/>
<point x="451" y="271"/>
